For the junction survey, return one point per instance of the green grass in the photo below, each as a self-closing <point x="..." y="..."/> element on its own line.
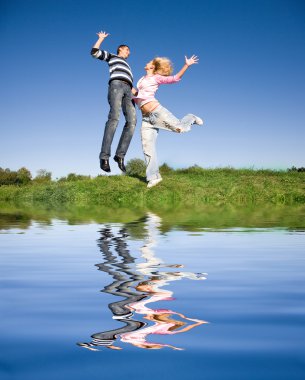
<point x="190" y="187"/>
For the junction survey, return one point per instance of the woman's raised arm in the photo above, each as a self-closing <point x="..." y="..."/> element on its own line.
<point x="188" y="62"/>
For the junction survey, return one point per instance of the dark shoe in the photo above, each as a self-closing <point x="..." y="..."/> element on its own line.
<point x="104" y="164"/>
<point x="120" y="162"/>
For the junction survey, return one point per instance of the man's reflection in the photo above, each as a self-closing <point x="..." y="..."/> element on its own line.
<point x="140" y="284"/>
<point x="121" y="271"/>
<point x="117" y="263"/>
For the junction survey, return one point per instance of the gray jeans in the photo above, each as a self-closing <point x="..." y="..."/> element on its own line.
<point x="160" y="118"/>
<point x="119" y="97"/>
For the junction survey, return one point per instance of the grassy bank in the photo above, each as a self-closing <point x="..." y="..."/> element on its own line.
<point x="190" y="187"/>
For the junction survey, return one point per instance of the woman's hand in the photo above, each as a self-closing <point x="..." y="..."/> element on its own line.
<point x="102" y="35"/>
<point x="188" y="62"/>
<point x="192" y="60"/>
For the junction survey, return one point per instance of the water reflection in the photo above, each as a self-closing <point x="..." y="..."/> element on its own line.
<point x="184" y="219"/>
<point x="118" y="264"/>
<point x="140" y="284"/>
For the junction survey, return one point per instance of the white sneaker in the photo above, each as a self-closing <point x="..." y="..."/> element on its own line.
<point x="198" y="121"/>
<point x="154" y="182"/>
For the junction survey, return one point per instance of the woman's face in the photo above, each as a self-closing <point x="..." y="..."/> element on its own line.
<point x="144" y="288"/>
<point x="147" y="286"/>
<point x="149" y="66"/>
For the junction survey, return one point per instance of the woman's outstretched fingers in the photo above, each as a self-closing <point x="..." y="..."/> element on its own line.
<point x="192" y="60"/>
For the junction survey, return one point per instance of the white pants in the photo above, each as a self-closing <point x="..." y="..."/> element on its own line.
<point x="160" y="118"/>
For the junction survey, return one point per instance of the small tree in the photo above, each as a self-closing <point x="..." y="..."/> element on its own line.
<point x="43" y="176"/>
<point x="24" y="176"/>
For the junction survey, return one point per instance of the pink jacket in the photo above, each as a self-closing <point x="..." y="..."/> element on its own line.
<point x="148" y="86"/>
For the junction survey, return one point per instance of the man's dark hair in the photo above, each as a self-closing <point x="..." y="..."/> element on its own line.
<point x="121" y="46"/>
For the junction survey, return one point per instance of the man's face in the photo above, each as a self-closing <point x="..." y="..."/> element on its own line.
<point x="124" y="52"/>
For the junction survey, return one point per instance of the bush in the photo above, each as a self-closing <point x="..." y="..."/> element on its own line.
<point x="7" y="177"/>
<point x="195" y="169"/>
<point x="294" y="169"/>
<point x="71" y="177"/>
<point x="20" y="177"/>
<point x="136" y="168"/>
<point x="166" y="169"/>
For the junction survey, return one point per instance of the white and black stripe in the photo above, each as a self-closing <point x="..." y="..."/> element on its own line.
<point x="102" y="342"/>
<point x="118" y="67"/>
<point x="96" y="343"/>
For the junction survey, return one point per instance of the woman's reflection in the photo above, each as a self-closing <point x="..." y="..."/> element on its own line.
<point x="140" y="284"/>
<point x="165" y="321"/>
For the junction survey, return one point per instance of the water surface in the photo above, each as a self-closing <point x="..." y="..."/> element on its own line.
<point x="152" y="296"/>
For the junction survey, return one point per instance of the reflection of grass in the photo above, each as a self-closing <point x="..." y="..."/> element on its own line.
<point x="194" y="186"/>
<point x="182" y="218"/>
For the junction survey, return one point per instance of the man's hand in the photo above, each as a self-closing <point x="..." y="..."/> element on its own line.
<point x="134" y="91"/>
<point x="102" y="35"/>
<point x="192" y="60"/>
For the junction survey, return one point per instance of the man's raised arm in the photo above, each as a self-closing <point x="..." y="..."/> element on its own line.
<point x="95" y="52"/>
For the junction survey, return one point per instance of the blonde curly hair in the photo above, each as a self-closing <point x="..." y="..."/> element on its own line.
<point x="163" y="66"/>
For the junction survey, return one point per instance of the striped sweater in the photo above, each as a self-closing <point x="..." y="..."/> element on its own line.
<point x="118" y="67"/>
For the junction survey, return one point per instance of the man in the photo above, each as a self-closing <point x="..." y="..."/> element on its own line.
<point x="119" y="97"/>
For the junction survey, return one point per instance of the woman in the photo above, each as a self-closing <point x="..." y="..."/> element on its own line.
<point x="154" y="116"/>
<point x="164" y="322"/>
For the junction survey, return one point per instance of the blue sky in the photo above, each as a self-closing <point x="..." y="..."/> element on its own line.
<point x="249" y="86"/>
